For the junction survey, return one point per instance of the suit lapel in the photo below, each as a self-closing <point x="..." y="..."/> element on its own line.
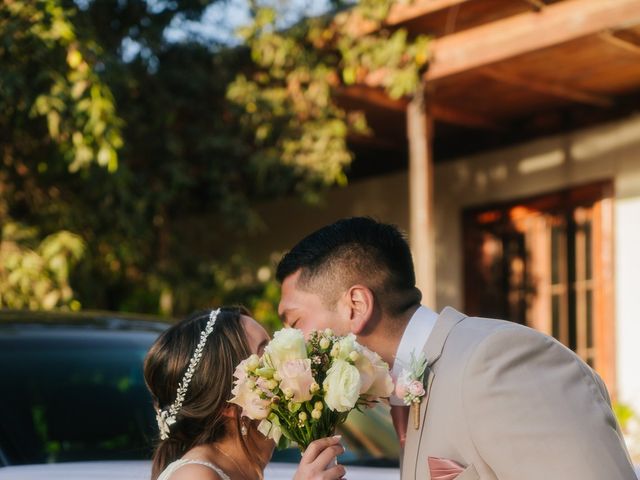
<point x="433" y="348"/>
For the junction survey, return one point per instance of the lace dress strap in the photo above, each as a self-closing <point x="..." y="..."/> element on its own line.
<point x="166" y="474"/>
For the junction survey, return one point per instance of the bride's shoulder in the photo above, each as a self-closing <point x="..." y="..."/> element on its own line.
<point x="190" y="470"/>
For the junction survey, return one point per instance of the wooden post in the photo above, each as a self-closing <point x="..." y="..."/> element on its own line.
<point x="421" y="222"/>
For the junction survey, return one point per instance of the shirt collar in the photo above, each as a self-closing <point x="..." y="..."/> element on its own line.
<point x="413" y="340"/>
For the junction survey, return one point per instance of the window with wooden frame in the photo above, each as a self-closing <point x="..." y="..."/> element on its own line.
<point x="547" y="262"/>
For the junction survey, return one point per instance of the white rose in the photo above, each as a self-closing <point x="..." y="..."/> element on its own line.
<point x="287" y="344"/>
<point x="270" y="430"/>
<point x="345" y="346"/>
<point x="342" y="386"/>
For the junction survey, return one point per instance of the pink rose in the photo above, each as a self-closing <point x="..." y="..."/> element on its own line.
<point x="264" y="386"/>
<point x="296" y="375"/>
<point x="416" y="388"/>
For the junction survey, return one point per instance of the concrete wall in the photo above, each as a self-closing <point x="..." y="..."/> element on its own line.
<point x="609" y="152"/>
<point x="287" y="221"/>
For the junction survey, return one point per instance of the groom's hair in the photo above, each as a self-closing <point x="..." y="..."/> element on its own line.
<point x="357" y="250"/>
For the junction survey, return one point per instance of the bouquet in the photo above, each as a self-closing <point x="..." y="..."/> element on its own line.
<point x="302" y="391"/>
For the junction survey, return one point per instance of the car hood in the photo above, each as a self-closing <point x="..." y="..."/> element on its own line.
<point x="140" y="470"/>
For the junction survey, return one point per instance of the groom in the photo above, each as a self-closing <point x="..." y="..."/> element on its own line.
<point x="502" y="401"/>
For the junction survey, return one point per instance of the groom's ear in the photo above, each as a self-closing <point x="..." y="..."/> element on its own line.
<point x="361" y="303"/>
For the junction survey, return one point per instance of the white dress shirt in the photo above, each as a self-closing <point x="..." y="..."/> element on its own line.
<point x="413" y="340"/>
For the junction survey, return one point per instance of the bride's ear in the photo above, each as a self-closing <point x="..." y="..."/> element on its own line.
<point x="361" y="304"/>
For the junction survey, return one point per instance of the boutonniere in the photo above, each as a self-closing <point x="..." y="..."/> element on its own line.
<point x="410" y="385"/>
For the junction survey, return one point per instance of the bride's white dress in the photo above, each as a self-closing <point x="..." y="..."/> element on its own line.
<point x="172" y="467"/>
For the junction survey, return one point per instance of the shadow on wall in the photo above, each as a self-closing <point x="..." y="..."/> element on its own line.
<point x="545" y="165"/>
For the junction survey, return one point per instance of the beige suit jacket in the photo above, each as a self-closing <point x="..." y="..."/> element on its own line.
<point x="507" y="402"/>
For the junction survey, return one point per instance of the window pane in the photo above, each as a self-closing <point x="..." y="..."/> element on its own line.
<point x="589" y="319"/>
<point x="557" y="249"/>
<point x="556" y="315"/>
<point x="589" y="252"/>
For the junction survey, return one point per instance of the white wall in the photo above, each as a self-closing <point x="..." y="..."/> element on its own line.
<point x="607" y="152"/>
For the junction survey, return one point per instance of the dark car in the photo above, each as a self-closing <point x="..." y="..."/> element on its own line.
<point x="73" y="391"/>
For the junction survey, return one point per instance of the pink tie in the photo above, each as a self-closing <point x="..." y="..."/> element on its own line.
<point x="400" y="417"/>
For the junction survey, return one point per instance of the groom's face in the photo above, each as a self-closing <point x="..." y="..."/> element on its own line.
<point x="305" y="310"/>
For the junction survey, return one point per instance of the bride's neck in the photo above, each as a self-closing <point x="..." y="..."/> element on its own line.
<point x="229" y="454"/>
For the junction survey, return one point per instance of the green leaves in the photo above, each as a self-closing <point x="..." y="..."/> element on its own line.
<point x="34" y="274"/>
<point x="287" y="105"/>
<point x="136" y="160"/>
<point x="76" y="104"/>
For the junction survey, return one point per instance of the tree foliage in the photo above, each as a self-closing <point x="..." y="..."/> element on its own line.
<point x="287" y="101"/>
<point x="130" y="162"/>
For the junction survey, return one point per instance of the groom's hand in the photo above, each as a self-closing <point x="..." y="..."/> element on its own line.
<point x="317" y="457"/>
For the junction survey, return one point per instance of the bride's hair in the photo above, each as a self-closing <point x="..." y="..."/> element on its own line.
<point x="200" y="419"/>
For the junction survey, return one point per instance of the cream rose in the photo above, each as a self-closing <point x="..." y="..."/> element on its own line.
<point x="297" y="376"/>
<point x="342" y="386"/>
<point x="382" y="384"/>
<point x="249" y="400"/>
<point x="287" y="344"/>
<point x="367" y="371"/>
<point x="345" y="346"/>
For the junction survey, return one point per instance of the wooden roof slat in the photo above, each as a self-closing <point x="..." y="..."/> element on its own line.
<point x="537" y="4"/>
<point x="547" y="88"/>
<point x="373" y="96"/>
<point x="398" y="13"/>
<point x="626" y="45"/>
<point x="527" y="32"/>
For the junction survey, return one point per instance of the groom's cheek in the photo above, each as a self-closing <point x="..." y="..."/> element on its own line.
<point x="306" y="328"/>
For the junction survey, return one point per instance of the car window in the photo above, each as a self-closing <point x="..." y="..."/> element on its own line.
<point x="369" y="438"/>
<point x="80" y="396"/>
<point x="72" y="399"/>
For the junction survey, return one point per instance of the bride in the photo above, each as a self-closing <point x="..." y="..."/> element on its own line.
<point x="189" y="371"/>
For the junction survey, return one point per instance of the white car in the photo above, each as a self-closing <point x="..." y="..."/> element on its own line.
<point x="140" y="470"/>
<point x="76" y="406"/>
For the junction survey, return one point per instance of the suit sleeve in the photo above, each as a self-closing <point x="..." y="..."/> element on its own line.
<point x="535" y="410"/>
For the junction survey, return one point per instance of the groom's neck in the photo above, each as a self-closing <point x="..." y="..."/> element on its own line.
<point x="385" y="339"/>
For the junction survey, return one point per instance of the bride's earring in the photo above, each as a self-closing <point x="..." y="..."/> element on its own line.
<point x="243" y="428"/>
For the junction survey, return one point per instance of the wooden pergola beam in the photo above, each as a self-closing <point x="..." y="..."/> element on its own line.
<point x="438" y="111"/>
<point x="546" y="88"/>
<point x="400" y="13"/>
<point x="421" y="195"/>
<point x="357" y="26"/>
<point x="527" y="32"/>
<point x="462" y="118"/>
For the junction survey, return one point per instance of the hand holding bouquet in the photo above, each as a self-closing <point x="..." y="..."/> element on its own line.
<point x="302" y="390"/>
